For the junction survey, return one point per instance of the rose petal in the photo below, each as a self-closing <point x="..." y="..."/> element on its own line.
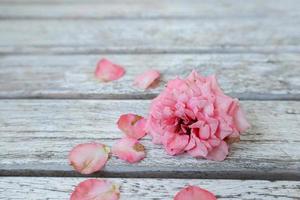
<point x="107" y="71"/>
<point x="132" y="125"/>
<point x="145" y="79"/>
<point x="89" y="157"/>
<point x="240" y="120"/>
<point x="194" y="193"/>
<point x="191" y="144"/>
<point x="218" y="153"/>
<point x="96" y="189"/>
<point x="129" y="149"/>
<point x="174" y="143"/>
<point x="204" y="132"/>
<point x="200" y="150"/>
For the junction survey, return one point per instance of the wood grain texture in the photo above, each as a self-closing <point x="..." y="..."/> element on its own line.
<point x="149" y="189"/>
<point x="145" y="9"/>
<point x="246" y="76"/>
<point x="150" y="36"/>
<point x="36" y="136"/>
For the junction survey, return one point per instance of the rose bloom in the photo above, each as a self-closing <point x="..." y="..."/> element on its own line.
<point x="193" y="115"/>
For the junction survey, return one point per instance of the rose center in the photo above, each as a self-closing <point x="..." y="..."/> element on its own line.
<point x="183" y="126"/>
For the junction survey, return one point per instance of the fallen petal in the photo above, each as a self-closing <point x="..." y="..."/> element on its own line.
<point x="107" y="71"/>
<point x="129" y="149"/>
<point x="89" y="157"/>
<point x="146" y="79"/>
<point x="132" y="125"/>
<point x="96" y="189"/>
<point x="194" y="193"/>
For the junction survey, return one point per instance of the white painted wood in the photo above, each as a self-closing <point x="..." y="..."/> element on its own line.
<point x="36" y="136"/>
<point x="147" y="9"/>
<point x="247" y="76"/>
<point x="159" y="35"/>
<point x="13" y="188"/>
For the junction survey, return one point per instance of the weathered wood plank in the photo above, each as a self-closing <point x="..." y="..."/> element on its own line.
<point x="247" y="76"/>
<point x="150" y="189"/>
<point x="13" y="9"/>
<point x="128" y="36"/>
<point x="36" y="136"/>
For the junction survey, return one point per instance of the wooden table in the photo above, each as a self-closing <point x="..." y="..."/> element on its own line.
<point x="50" y="100"/>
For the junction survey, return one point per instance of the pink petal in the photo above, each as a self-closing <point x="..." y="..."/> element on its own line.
<point x="96" y="189"/>
<point x="132" y="125"/>
<point x="175" y="143"/>
<point x="218" y="153"/>
<point x="205" y="132"/>
<point x="241" y="121"/>
<point x="200" y="150"/>
<point x="89" y="157"/>
<point x="191" y="144"/>
<point x="107" y="71"/>
<point x="129" y="149"/>
<point x="145" y="80"/>
<point x="224" y="129"/>
<point x="194" y="193"/>
<point x="214" y="84"/>
<point x="214" y="142"/>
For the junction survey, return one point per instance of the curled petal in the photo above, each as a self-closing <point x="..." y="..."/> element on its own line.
<point x="146" y="79"/>
<point x="129" y="149"/>
<point x="107" y="71"/>
<point x="194" y="193"/>
<point x="200" y="150"/>
<point x="218" y="153"/>
<point x="89" y="157"/>
<point x="132" y="125"/>
<point x="96" y="189"/>
<point x="191" y="144"/>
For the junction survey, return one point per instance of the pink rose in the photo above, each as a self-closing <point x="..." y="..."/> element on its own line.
<point x="193" y="115"/>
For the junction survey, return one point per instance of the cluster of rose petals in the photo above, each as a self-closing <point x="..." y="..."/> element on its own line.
<point x="96" y="189"/>
<point x="194" y="193"/>
<point x="107" y="71"/>
<point x="89" y="157"/>
<point x="193" y="115"/>
<point x="132" y="125"/>
<point x="146" y="79"/>
<point x="129" y="149"/>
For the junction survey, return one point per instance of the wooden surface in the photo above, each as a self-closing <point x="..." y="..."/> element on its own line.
<point x="246" y="76"/>
<point x="50" y="100"/>
<point x="130" y="9"/>
<point x="144" y="36"/>
<point x="38" y="134"/>
<point x="150" y="189"/>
